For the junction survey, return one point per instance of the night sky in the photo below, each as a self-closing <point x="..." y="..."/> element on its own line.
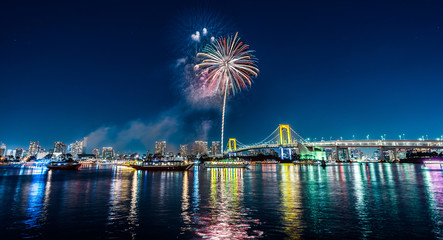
<point x="107" y="70"/>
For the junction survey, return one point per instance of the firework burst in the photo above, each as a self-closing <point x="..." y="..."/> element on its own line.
<point x="227" y="67"/>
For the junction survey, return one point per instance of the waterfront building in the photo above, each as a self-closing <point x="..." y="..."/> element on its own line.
<point x="78" y="147"/>
<point x="43" y="155"/>
<point x="160" y="148"/>
<point x="59" y="147"/>
<point x="2" y="150"/>
<point x="10" y="152"/>
<point x="356" y="154"/>
<point x="96" y="152"/>
<point x="33" y="148"/>
<point x="18" y="153"/>
<point x="215" y="147"/>
<point x="108" y="153"/>
<point x="253" y="152"/>
<point x="183" y="150"/>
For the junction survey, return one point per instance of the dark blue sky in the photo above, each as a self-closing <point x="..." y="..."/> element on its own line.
<point x="69" y="70"/>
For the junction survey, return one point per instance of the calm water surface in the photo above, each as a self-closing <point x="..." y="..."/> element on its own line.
<point x="349" y="201"/>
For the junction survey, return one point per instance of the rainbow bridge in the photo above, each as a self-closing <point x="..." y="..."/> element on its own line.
<point x="287" y="140"/>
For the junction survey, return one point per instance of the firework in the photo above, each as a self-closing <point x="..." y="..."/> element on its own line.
<point x="228" y="67"/>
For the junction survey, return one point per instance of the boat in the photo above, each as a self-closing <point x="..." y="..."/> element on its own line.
<point x="265" y="162"/>
<point x="64" y="165"/>
<point x="10" y="164"/>
<point x="306" y="162"/>
<point x="170" y="165"/>
<point x="226" y="163"/>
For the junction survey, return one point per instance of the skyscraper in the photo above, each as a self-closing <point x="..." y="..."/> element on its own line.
<point x="2" y="150"/>
<point x="184" y="150"/>
<point x="78" y="147"/>
<point x="160" y="148"/>
<point x="215" y="147"/>
<point x="85" y="144"/>
<point x="33" y="148"/>
<point x="96" y="152"/>
<point x="18" y="153"/>
<point x="108" y="153"/>
<point x="59" y="147"/>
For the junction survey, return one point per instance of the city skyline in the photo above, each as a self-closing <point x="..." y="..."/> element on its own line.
<point x="329" y="71"/>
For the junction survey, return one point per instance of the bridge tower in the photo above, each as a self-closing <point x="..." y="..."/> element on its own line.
<point x="285" y="134"/>
<point x="285" y="138"/>
<point x="232" y="144"/>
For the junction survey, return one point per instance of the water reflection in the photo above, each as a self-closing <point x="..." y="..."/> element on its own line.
<point x="35" y="204"/>
<point x="433" y="176"/>
<point x="291" y="204"/>
<point x="226" y="216"/>
<point x="355" y="200"/>
<point x="123" y="202"/>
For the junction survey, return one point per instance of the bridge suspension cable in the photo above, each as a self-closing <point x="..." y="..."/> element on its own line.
<point x="266" y="139"/>
<point x="272" y="138"/>
<point x="300" y="139"/>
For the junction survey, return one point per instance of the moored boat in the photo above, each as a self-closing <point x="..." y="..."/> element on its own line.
<point x="265" y="162"/>
<point x="226" y="163"/>
<point x="173" y="165"/>
<point x="64" y="165"/>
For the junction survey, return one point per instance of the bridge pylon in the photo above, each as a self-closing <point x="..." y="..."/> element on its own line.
<point x="232" y="144"/>
<point x="285" y="134"/>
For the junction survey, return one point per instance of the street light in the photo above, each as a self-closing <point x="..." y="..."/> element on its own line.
<point x="367" y="137"/>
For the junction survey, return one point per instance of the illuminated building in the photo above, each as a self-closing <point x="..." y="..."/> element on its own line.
<point x="18" y="153"/>
<point x="215" y="147"/>
<point x="160" y="148"/>
<point x="59" y="147"/>
<point x="78" y="147"/>
<point x="356" y="153"/>
<point x="10" y="153"/>
<point x="184" y="150"/>
<point x="96" y="152"/>
<point x="2" y="149"/>
<point x="108" y="153"/>
<point x="33" y="148"/>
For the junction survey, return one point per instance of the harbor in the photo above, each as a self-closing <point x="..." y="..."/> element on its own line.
<point x="265" y="201"/>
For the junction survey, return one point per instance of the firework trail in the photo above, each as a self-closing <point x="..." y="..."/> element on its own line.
<point x="227" y="67"/>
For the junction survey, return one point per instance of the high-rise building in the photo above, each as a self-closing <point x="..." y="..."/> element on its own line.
<point x="10" y="153"/>
<point x="33" y="148"/>
<point x="59" y="147"/>
<point x="78" y="147"/>
<point x="84" y="144"/>
<point x="183" y="150"/>
<point x="18" y="153"/>
<point x="69" y="148"/>
<point x="215" y="148"/>
<point x="199" y="148"/>
<point x="160" y="148"/>
<point x="96" y="152"/>
<point x="108" y="153"/>
<point x="2" y="150"/>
